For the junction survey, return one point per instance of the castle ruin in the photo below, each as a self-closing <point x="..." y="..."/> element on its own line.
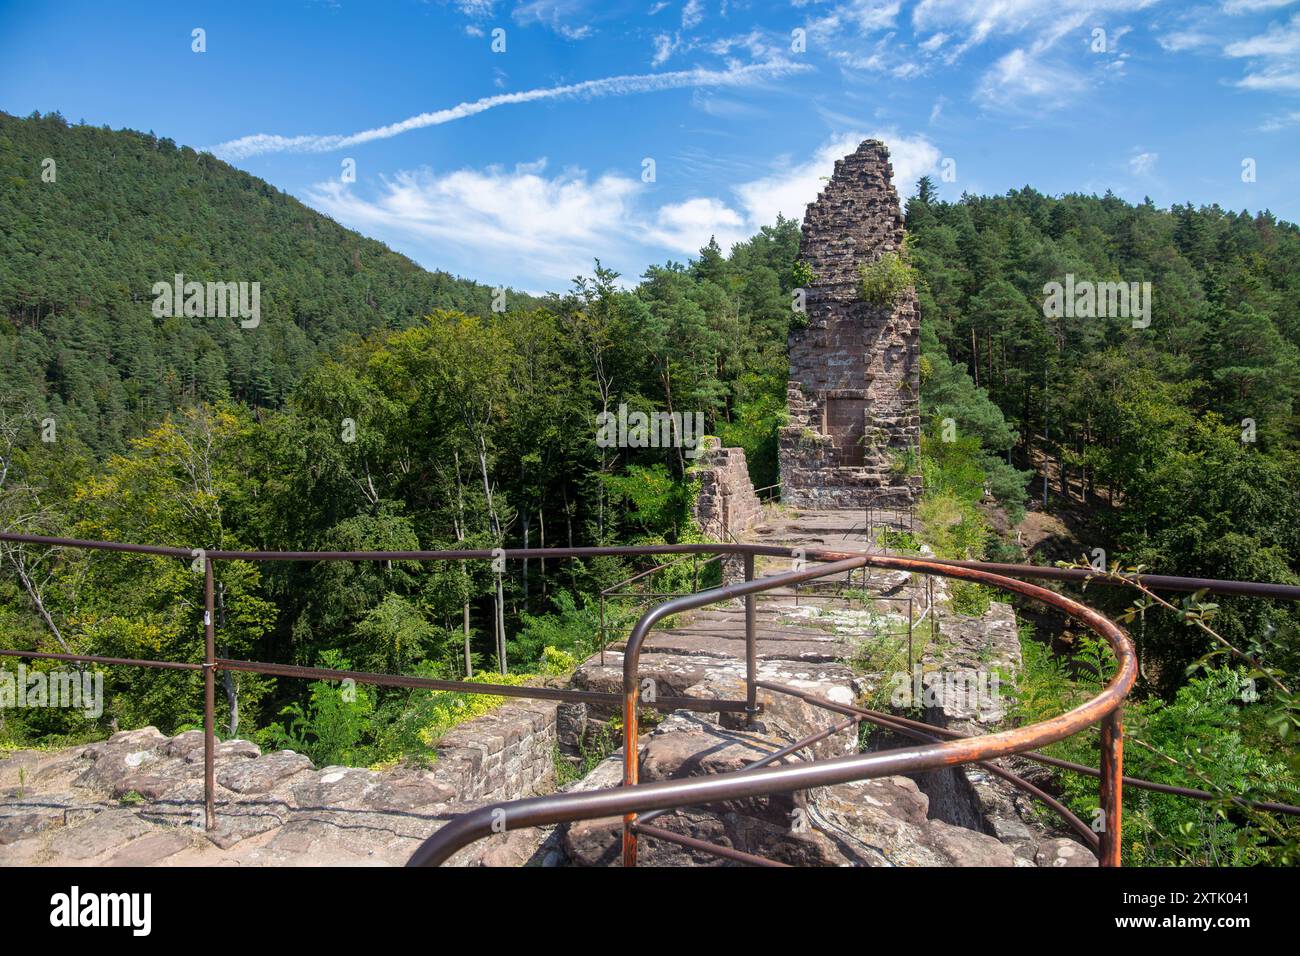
<point x="853" y="395"/>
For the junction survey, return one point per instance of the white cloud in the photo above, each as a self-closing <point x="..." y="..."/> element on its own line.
<point x="789" y="191"/>
<point x="1142" y="164"/>
<point x="521" y="224"/>
<point x="1046" y="19"/>
<point x="692" y="14"/>
<point x="664" y="47"/>
<point x="260" y="143"/>
<point x="687" y="226"/>
<point x="1020" y="80"/>
<point x="857" y="16"/>
<point x="1025" y="76"/>
<point x="759" y="46"/>
<point x="1274" y="56"/>
<point x="1181" y="40"/>
<point x="1274" y="79"/>
<point x="1280" y="121"/>
<point x="1254" y="6"/>
<point x="545" y="226"/>
<point x="1278" y="40"/>
<point x="871" y="15"/>
<point x="554" y="14"/>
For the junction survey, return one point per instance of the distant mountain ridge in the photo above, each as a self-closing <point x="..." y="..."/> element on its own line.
<point x="91" y="219"/>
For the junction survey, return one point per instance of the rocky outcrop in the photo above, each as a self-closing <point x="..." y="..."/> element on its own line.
<point x="853" y="394"/>
<point x="137" y="799"/>
<point x="881" y="822"/>
<point x="976" y="661"/>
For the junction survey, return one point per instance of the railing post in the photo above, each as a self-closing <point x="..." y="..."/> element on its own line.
<point x="631" y="769"/>
<point x="209" y="696"/>
<point x="602" y="628"/>
<point x="1112" y="787"/>
<point x="909" y="634"/>
<point x="934" y="614"/>
<point x="751" y="644"/>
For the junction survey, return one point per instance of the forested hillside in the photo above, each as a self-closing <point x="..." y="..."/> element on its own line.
<point x="381" y="406"/>
<point x="1180" y="436"/>
<point x="92" y="218"/>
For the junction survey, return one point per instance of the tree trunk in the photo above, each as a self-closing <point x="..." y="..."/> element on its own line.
<point x="469" y="661"/>
<point x="525" y="522"/>
<point x="501" y="626"/>
<point x="228" y="680"/>
<point x="541" y="526"/>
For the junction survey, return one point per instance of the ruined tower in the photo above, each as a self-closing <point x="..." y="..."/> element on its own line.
<point x="853" y="397"/>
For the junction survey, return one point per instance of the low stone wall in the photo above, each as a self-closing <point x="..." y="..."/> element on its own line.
<point x="137" y="799"/>
<point x="504" y="755"/>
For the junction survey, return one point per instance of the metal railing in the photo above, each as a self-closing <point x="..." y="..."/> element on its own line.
<point x="941" y="748"/>
<point x="634" y="798"/>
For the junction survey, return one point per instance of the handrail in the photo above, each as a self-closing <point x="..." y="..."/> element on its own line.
<point x="1104" y="708"/>
<point x="634" y="797"/>
<point x="1289" y="592"/>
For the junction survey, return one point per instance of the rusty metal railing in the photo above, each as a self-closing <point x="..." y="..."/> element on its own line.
<point x="634" y="798"/>
<point x="942" y="748"/>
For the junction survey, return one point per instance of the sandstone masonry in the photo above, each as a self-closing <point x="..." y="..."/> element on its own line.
<point x="853" y="395"/>
<point x="726" y="506"/>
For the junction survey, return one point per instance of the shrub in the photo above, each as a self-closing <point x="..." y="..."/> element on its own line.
<point x="801" y="275"/>
<point x="556" y="663"/>
<point x="970" y="598"/>
<point x="331" y="727"/>
<point x="1195" y="740"/>
<point x="884" y="282"/>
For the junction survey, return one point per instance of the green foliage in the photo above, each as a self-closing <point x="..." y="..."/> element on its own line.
<point x="1196" y="740"/>
<point x="410" y="725"/>
<point x="570" y="633"/>
<point x="557" y="663"/>
<point x="802" y="276"/>
<point x="884" y="282"/>
<point x="897" y="540"/>
<point x="971" y="598"/>
<point x="76" y="329"/>
<point x="592" y="749"/>
<point x="331" y="727"/>
<point x="657" y="501"/>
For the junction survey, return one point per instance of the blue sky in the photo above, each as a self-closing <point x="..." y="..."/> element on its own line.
<point x="520" y="166"/>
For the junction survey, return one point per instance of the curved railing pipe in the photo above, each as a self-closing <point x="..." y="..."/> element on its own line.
<point x="636" y="798"/>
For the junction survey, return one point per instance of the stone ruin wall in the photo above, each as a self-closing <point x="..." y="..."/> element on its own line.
<point x="726" y="506"/>
<point x="506" y="754"/>
<point x="853" y="394"/>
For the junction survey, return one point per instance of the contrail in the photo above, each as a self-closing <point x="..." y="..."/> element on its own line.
<point x="260" y="143"/>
